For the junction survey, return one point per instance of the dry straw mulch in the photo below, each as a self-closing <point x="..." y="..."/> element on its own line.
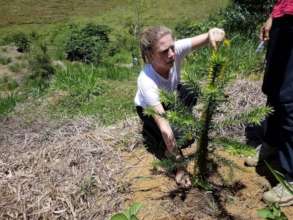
<point x="66" y="171"/>
<point x="243" y="95"/>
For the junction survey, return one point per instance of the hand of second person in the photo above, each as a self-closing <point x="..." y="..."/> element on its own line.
<point x="265" y="29"/>
<point x="216" y="35"/>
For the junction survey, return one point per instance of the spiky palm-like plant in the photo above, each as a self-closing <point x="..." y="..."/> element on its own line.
<point x="212" y="95"/>
<point x="199" y="124"/>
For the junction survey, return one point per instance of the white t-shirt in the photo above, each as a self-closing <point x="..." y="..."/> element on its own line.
<point x="149" y="82"/>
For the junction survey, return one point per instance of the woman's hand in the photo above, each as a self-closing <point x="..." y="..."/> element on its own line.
<point x="165" y="128"/>
<point x="168" y="137"/>
<point x="216" y="35"/>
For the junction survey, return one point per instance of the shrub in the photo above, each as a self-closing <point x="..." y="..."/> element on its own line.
<point x="21" y="41"/>
<point x="243" y="16"/>
<point x="40" y="65"/>
<point x="87" y="44"/>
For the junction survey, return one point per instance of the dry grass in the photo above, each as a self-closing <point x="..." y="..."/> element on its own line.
<point x="243" y="96"/>
<point x="65" y="171"/>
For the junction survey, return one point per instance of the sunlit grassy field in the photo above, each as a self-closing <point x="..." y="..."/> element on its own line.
<point x="38" y="14"/>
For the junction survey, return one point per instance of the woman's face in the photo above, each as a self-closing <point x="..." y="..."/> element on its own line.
<point x="163" y="54"/>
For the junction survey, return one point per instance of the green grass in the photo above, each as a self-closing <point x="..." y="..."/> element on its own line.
<point x="242" y="59"/>
<point x="78" y="81"/>
<point x="33" y="14"/>
<point x="234" y="147"/>
<point x="4" y="60"/>
<point x="16" y="67"/>
<point x="106" y="92"/>
<point x="7" y="103"/>
<point x="114" y="104"/>
<point x="8" y="84"/>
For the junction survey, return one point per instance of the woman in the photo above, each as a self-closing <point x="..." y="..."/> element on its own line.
<point x="162" y="56"/>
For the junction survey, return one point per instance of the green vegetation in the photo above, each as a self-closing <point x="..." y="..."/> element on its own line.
<point x="15" y="67"/>
<point x="7" y="103"/>
<point x="280" y="178"/>
<point x="7" y="84"/>
<point x="21" y="41"/>
<point x="244" y="16"/>
<point x="41" y="65"/>
<point x="88" y="90"/>
<point x="128" y="214"/>
<point x="4" y="60"/>
<point x="87" y="44"/>
<point x="88" y="185"/>
<point x="32" y="14"/>
<point x="234" y="147"/>
<point x="272" y="212"/>
<point x="104" y="84"/>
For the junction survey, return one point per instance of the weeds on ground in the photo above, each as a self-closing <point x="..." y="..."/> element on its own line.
<point x="89" y="90"/>
<point x="7" y="103"/>
<point x="234" y="147"/>
<point x="8" y="84"/>
<point x="272" y="212"/>
<point x="5" y="60"/>
<point x="81" y="85"/>
<point x="128" y="214"/>
<point x="40" y="64"/>
<point x="280" y="178"/>
<point x="16" y="67"/>
<point x="88" y="186"/>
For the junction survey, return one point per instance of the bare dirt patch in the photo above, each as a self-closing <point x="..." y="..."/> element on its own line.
<point x="239" y="198"/>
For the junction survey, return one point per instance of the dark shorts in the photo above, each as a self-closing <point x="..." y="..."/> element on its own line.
<point x="152" y="135"/>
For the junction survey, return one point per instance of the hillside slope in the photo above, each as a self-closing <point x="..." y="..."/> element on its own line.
<point x="113" y="12"/>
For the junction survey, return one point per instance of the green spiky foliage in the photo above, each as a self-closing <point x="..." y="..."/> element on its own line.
<point x="212" y="95"/>
<point x="197" y="123"/>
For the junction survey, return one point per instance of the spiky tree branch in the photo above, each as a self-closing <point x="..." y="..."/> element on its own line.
<point x="211" y="96"/>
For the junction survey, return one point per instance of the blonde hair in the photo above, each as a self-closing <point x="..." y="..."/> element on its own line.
<point x="148" y="39"/>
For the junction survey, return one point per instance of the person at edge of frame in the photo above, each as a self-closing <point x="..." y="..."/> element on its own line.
<point x="278" y="87"/>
